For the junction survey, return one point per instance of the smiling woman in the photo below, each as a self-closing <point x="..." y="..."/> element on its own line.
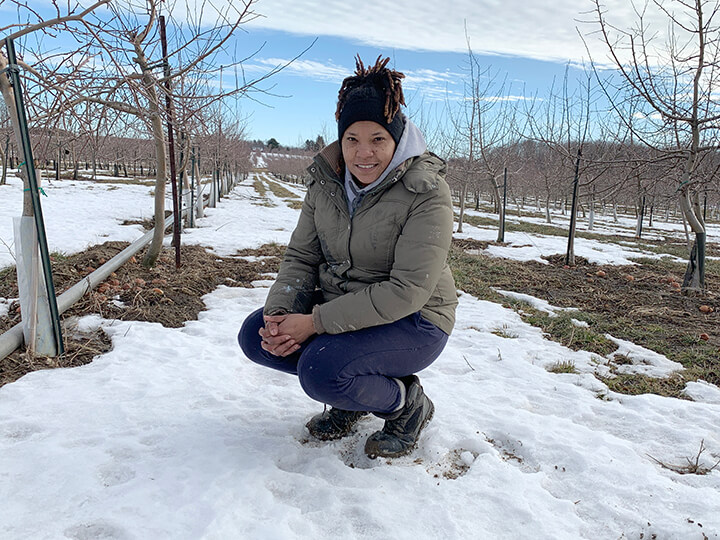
<point x="364" y="298"/>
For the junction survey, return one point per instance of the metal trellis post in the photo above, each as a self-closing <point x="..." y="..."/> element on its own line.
<point x="171" y="142"/>
<point x="14" y="74"/>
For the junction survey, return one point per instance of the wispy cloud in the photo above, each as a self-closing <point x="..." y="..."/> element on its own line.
<point x="422" y="77"/>
<point x="318" y="71"/>
<point x="539" y="30"/>
<point x="425" y="83"/>
<point x="642" y="116"/>
<point x="494" y="99"/>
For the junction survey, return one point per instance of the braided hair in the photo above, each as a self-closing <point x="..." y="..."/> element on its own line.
<point x="386" y="81"/>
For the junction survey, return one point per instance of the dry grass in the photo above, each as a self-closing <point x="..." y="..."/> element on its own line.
<point x="563" y="366"/>
<point x="642" y="304"/>
<point x="692" y="465"/>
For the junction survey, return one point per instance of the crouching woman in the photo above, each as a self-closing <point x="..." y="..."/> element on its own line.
<point x="364" y="298"/>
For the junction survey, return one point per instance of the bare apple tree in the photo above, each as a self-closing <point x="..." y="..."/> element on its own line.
<point x="127" y="73"/>
<point x="483" y="130"/>
<point x="34" y="22"/>
<point x="676" y="80"/>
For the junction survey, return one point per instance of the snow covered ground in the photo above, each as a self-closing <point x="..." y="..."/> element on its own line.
<point x="77" y="214"/>
<point x="174" y="434"/>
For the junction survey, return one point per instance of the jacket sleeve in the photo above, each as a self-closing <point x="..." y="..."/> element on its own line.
<point x="419" y="259"/>
<point x="297" y="278"/>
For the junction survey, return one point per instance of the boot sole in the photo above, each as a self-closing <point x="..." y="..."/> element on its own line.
<point x="414" y="445"/>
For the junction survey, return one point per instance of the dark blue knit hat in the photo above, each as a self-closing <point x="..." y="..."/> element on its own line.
<point x="367" y="103"/>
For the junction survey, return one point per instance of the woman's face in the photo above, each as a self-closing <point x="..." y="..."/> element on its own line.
<point x="367" y="149"/>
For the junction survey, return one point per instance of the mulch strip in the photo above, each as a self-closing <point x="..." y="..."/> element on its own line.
<point x="161" y="294"/>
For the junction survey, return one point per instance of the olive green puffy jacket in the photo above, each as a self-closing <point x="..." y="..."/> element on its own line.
<point x="387" y="262"/>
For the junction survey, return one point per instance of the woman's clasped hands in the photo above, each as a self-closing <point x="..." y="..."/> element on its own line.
<point x="283" y="334"/>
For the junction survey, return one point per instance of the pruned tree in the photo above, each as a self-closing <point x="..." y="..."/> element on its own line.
<point x="40" y="315"/>
<point x="675" y="79"/>
<point x="562" y="123"/>
<point x="126" y="75"/>
<point x="483" y="130"/>
<point x="63" y="21"/>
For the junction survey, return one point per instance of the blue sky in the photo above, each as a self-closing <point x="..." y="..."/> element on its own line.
<point x="306" y="92"/>
<point x="528" y="43"/>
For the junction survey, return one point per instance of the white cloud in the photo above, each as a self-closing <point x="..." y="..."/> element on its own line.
<point x="643" y="116"/>
<point x="423" y="77"/>
<point x="428" y="83"/>
<point x="539" y="30"/>
<point x="305" y="68"/>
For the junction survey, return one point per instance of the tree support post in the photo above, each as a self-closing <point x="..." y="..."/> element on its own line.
<point x="14" y="75"/>
<point x="171" y="143"/>
<point x="191" y="210"/>
<point x="694" y="279"/>
<point x="501" y="236"/>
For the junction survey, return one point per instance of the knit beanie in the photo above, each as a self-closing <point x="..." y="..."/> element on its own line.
<point x="368" y="103"/>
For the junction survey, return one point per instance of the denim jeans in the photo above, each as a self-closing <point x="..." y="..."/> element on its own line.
<point x="353" y="370"/>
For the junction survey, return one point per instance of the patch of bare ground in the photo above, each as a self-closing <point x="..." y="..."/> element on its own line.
<point x="147" y="224"/>
<point x="162" y="294"/>
<point x="642" y="303"/>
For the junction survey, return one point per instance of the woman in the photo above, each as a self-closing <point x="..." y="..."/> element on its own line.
<point x="364" y="298"/>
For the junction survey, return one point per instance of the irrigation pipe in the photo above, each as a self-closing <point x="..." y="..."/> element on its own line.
<point x="13" y="338"/>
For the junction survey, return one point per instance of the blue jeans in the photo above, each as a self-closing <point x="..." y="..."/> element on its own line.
<point x="353" y="370"/>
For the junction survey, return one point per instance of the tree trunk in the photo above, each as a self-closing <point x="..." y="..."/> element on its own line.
<point x="4" y="156"/>
<point x="155" y="248"/>
<point x="150" y="84"/>
<point x="548" y="216"/>
<point x="570" y="255"/>
<point x="639" y="222"/>
<point x="694" y="280"/>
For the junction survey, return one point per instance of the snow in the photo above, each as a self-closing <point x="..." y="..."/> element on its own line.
<point x="77" y="214"/>
<point x="537" y="303"/>
<point x="258" y="160"/>
<point x="174" y="434"/>
<point x="5" y="306"/>
<point x="644" y="361"/>
<point x="238" y="223"/>
<point x="522" y="246"/>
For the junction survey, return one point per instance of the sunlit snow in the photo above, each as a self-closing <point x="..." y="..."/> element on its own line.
<point x="174" y="434"/>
